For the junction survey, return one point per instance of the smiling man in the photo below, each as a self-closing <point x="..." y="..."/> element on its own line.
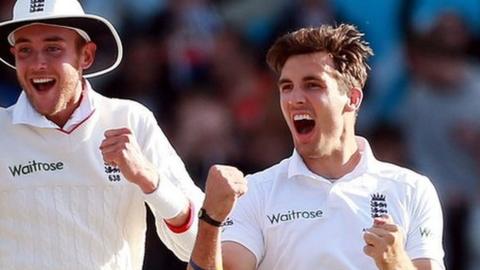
<point x="331" y="205"/>
<point x="76" y="168"/>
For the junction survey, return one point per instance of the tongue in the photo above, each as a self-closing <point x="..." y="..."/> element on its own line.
<point x="304" y="126"/>
<point x="44" y="86"/>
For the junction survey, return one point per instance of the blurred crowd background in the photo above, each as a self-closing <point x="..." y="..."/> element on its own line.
<point x="199" y="66"/>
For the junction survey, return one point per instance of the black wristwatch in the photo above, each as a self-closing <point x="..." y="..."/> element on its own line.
<point x="202" y="214"/>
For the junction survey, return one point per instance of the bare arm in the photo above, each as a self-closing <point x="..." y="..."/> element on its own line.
<point x="206" y="251"/>
<point x="237" y="257"/>
<point x="224" y="185"/>
<point x="426" y="264"/>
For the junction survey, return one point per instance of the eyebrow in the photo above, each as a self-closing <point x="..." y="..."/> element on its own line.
<point x="306" y="78"/>
<point x="282" y="81"/>
<point x="48" y="39"/>
<point x="312" y="78"/>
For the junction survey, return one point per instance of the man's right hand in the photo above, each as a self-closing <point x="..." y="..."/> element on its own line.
<point x="224" y="185"/>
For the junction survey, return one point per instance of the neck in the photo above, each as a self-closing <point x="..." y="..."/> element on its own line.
<point x="340" y="160"/>
<point x="62" y="117"/>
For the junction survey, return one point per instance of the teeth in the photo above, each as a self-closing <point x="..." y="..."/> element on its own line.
<point x="298" y="117"/>
<point x="42" y="80"/>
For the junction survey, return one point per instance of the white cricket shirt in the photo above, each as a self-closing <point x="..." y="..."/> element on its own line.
<point x="293" y="219"/>
<point x="62" y="208"/>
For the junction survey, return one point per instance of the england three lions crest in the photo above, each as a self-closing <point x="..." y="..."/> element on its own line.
<point x="378" y="205"/>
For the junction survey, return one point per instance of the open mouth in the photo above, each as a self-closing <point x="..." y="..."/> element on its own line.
<point x="43" y="84"/>
<point x="303" y="123"/>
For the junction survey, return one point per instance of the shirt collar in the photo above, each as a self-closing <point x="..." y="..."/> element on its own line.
<point x="367" y="162"/>
<point x="24" y="113"/>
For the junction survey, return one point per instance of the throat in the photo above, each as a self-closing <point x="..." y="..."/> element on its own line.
<point x="61" y="117"/>
<point x="333" y="167"/>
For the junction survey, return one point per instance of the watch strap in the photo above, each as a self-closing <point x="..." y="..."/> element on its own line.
<point x="202" y="214"/>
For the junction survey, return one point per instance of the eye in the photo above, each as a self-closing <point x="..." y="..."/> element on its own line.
<point x="311" y="85"/>
<point x="284" y="88"/>
<point x="53" y="49"/>
<point x="314" y="85"/>
<point x="24" y="51"/>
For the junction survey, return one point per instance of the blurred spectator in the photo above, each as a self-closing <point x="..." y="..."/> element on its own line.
<point x="442" y="103"/>
<point x="204" y="134"/>
<point x="268" y="142"/>
<point x="142" y="78"/>
<point x="127" y="16"/>
<point x="473" y="232"/>
<point x="253" y="19"/>
<point x="304" y="13"/>
<point x="9" y="89"/>
<point x="424" y="13"/>
<point x="246" y="87"/>
<point x="381" y="21"/>
<point x="471" y="141"/>
<point x="189" y="41"/>
<point x="441" y="108"/>
<point x="243" y="84"/>
<point x="388" y="144"/>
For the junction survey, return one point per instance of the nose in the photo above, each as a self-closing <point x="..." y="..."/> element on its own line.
<point x="297" y="97"/>
<point x="39" y="61"/>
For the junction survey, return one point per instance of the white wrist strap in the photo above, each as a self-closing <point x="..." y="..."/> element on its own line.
<point x="167" y="201"/>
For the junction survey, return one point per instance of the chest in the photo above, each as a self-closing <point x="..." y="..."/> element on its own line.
<point x="322" y="224"/>
<point x="50" y="157"/>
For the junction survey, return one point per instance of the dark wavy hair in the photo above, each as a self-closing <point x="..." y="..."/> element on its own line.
<point x="344" y="43"/>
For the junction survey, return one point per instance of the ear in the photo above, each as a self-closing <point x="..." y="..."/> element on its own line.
<point x="88" y="55"/>
<point x="355" y="97"/>
<point x="13" y="51"/>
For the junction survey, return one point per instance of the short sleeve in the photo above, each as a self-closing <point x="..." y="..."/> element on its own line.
<point x="424" y="237"/>
<point x="244" y="226"/>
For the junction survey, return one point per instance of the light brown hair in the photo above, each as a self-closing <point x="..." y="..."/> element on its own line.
<point x="344" y="43"/>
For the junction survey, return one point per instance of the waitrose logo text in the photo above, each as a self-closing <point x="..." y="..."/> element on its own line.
<point x="293" y="215"/>
<point x="34" y="166"/>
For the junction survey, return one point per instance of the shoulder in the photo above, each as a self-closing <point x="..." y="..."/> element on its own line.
<point x="266" y="178"/>
<point x="128" y="112"/>
<point x="4" y="112"/>
<point x="119" y="105"/>
<point x="400" y="175"/>
<point x="6" y="115"/>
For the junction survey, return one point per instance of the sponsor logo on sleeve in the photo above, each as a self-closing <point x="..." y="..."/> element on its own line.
<point x="425" y="232"/>
<point x="228" y="222"/>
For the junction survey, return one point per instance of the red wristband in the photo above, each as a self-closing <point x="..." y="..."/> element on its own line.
<point x="184" y="227"/>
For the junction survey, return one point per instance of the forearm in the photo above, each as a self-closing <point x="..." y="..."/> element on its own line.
<point x="400" y="262"/>
<point x="207" y="250"/>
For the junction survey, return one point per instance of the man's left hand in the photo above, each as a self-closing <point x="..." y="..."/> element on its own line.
<point x="385" y="244"/>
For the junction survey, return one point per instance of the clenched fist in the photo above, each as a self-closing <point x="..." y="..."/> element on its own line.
<point x="225" y="184"/>
<point x="120" y="148"/>
<point x="385" y="244"/>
